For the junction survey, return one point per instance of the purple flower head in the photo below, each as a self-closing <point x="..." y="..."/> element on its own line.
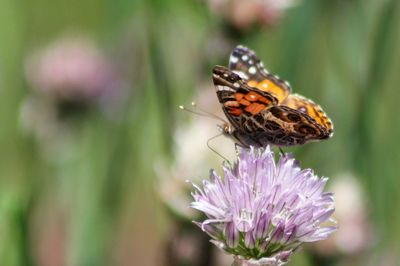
<point x="261" y="209"/>
<point x="72" y="68"/>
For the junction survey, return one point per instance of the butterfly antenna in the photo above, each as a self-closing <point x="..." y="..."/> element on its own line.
<point x="201" y="112"/>
<point x="209" y="146"/>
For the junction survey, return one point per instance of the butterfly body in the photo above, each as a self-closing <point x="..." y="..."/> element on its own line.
<point x="260" y="107"/>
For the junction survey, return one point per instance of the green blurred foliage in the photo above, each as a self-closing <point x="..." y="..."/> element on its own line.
<point x="101" y="188"/>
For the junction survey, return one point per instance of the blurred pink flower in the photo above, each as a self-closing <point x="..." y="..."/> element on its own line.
<point x="243" y="14"/>
<point x="71" y="69"/>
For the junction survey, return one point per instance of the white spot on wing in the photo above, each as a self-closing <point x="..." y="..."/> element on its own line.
<point x="252" y="70"/>
<point x="245" y="57"/>
<point x="303" y="109"/>
<point x="224" y="88"/>
<point x="261" y="66"/>
<point x="241" y="75"/>
<point x="234" y="59"/>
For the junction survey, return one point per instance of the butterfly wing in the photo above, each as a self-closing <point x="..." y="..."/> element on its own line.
<point x="308" y="107"/>
<point x="260" y="107"/>
<point x="239" y="101"/>
<point x="246" y="64"/>
<point x="257" y="117"/>
<point x="291" y="126"/>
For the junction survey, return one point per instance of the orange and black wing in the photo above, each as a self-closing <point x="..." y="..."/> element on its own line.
<point x="286" y="126"/>
<point x="311" y="109"/>
<point x="261" y="108"/>
<point x="246" y="64"/>
<point x="239" y="101"/>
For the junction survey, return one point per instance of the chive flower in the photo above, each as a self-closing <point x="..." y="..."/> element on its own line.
<point x="261" y="211"/>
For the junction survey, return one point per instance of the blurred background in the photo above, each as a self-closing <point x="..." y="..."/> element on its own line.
<point x="95" y="151"/>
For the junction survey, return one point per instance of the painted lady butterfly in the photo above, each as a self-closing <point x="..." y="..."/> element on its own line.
<point x="261" y="108"/>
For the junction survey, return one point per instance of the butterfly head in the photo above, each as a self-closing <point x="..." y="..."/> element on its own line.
<point x="226" y="129"/>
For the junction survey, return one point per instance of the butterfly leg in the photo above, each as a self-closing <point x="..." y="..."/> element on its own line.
<point x="282" y="152"/>
<point x="237" y="151"/>
<point x="212" y="149"/>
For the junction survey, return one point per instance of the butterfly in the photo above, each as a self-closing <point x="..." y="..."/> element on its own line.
<point x="261" y="108"/>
